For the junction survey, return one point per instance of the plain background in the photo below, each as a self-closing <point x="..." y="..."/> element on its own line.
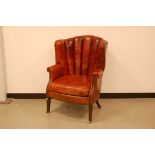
<point x="2" y="70"/>
<point x="68" y="12"/>
<point x="29" y="50"/>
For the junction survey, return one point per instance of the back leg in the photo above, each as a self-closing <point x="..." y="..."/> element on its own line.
<point x="98" y="105"/>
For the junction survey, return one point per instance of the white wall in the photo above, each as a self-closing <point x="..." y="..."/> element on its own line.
<point x="2" y="70"/>
<point x="130" y="65"/>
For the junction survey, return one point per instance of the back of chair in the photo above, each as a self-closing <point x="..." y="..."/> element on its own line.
<point x="81" y="54"/>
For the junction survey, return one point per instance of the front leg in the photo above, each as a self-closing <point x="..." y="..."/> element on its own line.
<point x="48" y="102"/>
<point x="90" y="107"/>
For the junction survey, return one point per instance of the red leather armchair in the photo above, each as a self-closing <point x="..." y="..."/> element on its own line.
<point x="77" y="75"/>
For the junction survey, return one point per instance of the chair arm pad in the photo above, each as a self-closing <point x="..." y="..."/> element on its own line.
<point x="55" y="71"/>
<point x="96" y="85"/>
<point x="98" y="73"/>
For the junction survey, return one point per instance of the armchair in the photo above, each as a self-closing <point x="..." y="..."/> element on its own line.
<point x="77" y="75"/>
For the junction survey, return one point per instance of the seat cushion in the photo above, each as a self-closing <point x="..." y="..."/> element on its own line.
<point x="71" y="85"/>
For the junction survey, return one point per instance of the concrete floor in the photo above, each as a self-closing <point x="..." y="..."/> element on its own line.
<point x="115" y="113"/>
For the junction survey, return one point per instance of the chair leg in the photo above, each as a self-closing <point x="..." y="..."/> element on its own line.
<point x="48" y="101"/>
<point x="98" y="104"/>
<point x="90" y="112"/>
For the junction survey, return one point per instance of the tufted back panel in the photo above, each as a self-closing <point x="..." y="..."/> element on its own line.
<point x="80" y="55"/>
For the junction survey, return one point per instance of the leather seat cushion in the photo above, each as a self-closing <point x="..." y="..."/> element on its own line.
<point x="78" y="85"/>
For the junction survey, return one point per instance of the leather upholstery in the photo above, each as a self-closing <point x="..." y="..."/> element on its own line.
<point x="70" y="55"/>
<point x="55" y="71"/>
<point x="69" y="98"/>
<point x="61" y="57"/>
<point x="87" y="40"/>
<point x="71" y="85"/>
<point x="77" y="54"/>
<point x="77" y="75"/>
<point x="96" y="85"/>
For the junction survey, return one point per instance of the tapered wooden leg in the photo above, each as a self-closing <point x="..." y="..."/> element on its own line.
<point x="48" y="101"/>
<point x="90" y="112"/>
<point x="98" y="105"/>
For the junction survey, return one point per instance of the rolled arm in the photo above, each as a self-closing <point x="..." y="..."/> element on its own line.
<point x="55" y="72"/>
<point x="98" y="73"/>
<point x="96" y="84"/>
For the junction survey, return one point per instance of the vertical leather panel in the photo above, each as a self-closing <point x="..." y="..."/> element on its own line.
<point x="77" y="54"/>
<point x="94" y="46"/>
<point x="70" y="55"/>
<point x="100" y="56"/>
<point x="87" y="40"/>
<point x="61" y="57"/>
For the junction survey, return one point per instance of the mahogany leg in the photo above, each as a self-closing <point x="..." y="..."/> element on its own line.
<point x="90" y="112"/>
<point x="48" y="101"/>
<point x="98" y="105"/>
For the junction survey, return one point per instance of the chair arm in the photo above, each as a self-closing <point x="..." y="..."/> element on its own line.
<point x="98" y="73"/>
<point x="55" y="72"/>
<point x="96" y="85"/>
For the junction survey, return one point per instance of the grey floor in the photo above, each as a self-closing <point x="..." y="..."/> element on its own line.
<point x="115" y="113"/>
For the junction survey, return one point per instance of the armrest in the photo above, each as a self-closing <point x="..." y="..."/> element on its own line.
<point x="55" y="72"/>
<point x="98" y="73"/>
<point x="96" y="84"/>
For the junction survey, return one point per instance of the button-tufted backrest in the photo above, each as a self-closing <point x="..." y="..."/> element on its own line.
<point x="81" y="55"/>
